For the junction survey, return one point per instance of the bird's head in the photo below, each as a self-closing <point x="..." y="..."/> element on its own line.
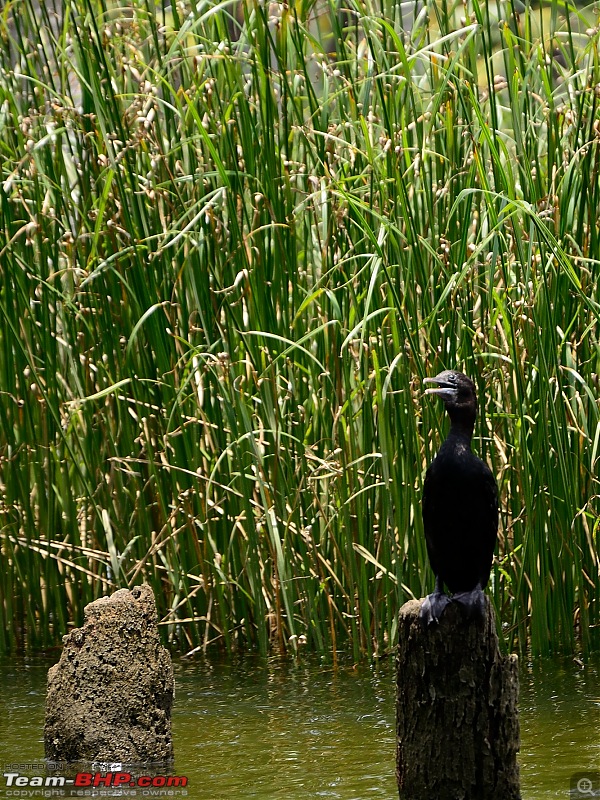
<point x="456" y="391"/>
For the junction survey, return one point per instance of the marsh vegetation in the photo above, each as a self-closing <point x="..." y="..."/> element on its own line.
<point x="235" y="236"/>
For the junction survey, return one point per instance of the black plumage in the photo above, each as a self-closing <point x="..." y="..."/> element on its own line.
<point x="460" y="505"/>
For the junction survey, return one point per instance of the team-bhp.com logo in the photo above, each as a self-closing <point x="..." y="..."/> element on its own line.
<point x="17" y="784"/>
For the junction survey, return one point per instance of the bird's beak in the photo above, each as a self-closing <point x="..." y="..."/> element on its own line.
<point x="443" y="389"/>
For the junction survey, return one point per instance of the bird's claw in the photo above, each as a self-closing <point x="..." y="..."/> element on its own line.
<point x="473" y="602"/>
<point x="433" y="608"/>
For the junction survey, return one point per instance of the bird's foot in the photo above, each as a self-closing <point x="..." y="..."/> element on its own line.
<point x="433" y="608"/>
<point x="473" y="602"/>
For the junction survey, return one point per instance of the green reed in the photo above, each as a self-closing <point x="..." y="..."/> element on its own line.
<point x="233" y="242"/>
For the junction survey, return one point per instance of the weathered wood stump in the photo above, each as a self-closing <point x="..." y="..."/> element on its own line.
<point x="456" y="709"/>
<point x="110" y="695"/>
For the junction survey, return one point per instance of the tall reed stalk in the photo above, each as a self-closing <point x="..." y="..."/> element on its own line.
<point x="234" y="239"/>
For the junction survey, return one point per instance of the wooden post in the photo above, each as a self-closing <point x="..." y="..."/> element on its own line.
<point x="456" y="709"/>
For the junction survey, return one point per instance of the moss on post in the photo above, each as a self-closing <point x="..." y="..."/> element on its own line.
<point x="456" y="709"/>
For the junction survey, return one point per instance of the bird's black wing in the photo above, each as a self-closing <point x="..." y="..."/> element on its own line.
<point x="429" y="513"/>
<point x="489" y="531"/>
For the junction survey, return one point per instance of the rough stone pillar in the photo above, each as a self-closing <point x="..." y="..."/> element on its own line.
<point x="110" y="695"/>
<point x="456" y="709"/>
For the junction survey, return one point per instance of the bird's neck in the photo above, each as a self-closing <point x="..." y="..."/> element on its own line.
<point x="461" y="430"/>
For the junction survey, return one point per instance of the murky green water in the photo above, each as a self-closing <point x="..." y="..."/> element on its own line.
<point x="255" y="729"/>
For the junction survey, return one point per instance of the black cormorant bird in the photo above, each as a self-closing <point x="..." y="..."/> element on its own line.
<point x="460" y="506"/>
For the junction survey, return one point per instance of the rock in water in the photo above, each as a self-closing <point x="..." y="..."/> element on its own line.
<point x="110" y="695"/>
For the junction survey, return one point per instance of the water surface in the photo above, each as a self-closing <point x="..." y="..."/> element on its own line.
<point x="270" y="729"/>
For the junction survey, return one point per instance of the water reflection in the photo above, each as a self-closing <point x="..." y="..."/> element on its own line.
<point x="560" y="716"/>
<point x="255" y="729"/>
<point x="282" y="730"/>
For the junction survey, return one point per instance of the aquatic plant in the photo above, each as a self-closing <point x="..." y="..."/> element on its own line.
<point x="235" y="236"/>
